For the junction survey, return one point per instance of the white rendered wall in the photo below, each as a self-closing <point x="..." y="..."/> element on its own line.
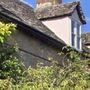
<point x="61" y="27"/>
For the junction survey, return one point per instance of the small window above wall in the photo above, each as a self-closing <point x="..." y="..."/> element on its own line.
<point x="75" y="35"/>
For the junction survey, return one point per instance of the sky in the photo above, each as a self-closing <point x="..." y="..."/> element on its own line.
<point x="85" y="4"/>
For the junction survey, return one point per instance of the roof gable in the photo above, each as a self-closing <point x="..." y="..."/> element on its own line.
<point x="22" y="12"/>
<point x="59" y="10"/>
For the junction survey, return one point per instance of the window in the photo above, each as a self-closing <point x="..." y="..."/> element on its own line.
<point x="78" y="43"/>
<point x="75" y="35"/>
<point x="78" y="36"/>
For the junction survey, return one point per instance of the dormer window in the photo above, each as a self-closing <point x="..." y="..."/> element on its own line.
<point x="76" y="35"/>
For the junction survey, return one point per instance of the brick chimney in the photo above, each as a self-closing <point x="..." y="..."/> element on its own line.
<point x="40" y="2"/>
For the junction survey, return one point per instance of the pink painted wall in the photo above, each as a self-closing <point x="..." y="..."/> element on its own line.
<point x="61" y="27"/>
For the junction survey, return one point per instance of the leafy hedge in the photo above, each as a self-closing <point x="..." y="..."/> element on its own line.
<point x="9" y="64"/>
<point x="73" y="76"/>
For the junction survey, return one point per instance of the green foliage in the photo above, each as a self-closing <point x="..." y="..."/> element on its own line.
<point x="73" y="76"/>
<point x="5" y="31"/>
<point x="9" y="64"/>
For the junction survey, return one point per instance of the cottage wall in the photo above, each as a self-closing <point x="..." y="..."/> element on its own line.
<point x="61" y="27"/>
<point x="32" y="50"/>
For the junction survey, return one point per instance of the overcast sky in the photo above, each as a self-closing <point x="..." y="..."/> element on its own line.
<point x="85" y="6"/>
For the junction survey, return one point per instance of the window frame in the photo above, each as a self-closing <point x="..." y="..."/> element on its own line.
<point x="78" y="36"/>
<point x="75" y="35"/>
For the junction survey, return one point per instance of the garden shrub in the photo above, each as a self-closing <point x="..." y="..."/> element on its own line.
<point x="9" y="64"/>
<point x="74" y="76"/>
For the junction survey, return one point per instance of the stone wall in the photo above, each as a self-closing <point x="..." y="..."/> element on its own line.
<point x="32" y="50"/>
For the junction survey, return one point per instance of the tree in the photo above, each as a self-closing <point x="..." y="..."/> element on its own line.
<point x="9" y="64"/>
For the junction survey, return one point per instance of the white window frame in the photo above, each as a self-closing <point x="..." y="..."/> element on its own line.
<point x="75" y="35"/>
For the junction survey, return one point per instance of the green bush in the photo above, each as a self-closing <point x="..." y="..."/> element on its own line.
<point x="9" y="64"/>
<point x="73" y="76"/>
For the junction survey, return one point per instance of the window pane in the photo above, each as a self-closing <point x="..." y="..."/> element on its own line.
<point x="73" y="26"/>
<point x="73" y="33"/>
<point x="78" y="30"/>
<point x="73" y="40"/>
<point x="78" y="42"/>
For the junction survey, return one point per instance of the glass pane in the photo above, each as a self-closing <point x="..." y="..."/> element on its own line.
<point x="78" y="42"/>
<point x="73" y="33"/>
<point x="73" y="26"/>
<point x="78" y="30"/>
<point x="73" y="40"/>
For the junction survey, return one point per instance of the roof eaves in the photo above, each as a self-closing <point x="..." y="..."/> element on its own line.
<point x="58" y="43"/>
<point x="80" y="13"/>
<point x="58" y="16"/>
<point x="76" y="5"/>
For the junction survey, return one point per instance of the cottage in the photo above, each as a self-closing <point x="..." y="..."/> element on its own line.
<point x="65" y="20"/>
<point x="42" y="33"/>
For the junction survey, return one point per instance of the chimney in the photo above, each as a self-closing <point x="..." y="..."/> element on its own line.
<point x="53" y="2"/>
